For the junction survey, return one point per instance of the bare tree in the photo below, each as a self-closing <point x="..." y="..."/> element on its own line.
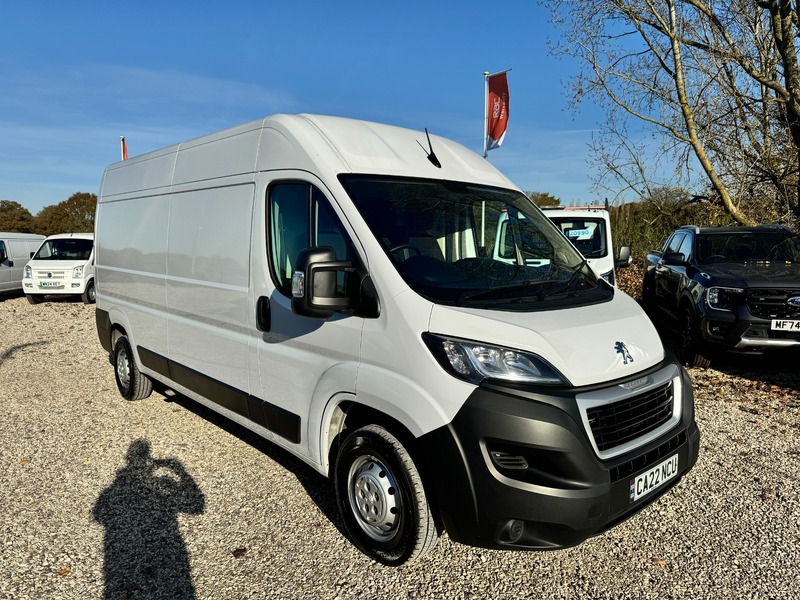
<point x="715" y="82"/>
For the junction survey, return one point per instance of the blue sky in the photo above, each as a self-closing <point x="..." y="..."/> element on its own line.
<point x="75" y="76"/>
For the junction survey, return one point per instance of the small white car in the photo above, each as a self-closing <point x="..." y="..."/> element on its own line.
<point x="63" y="264"/>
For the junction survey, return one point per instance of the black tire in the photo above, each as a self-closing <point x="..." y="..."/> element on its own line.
<point x="381" y="498"/>
<point x="691" y="343"/>
<point x="132" y="385"/>
<point x="88" y="295"/>
<point x="34" y="298"/>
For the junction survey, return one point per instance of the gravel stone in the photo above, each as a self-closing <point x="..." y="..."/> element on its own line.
<point x="103" y="498"/>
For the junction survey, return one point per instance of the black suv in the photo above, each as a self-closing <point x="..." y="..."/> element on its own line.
<point x="732" y="288"/>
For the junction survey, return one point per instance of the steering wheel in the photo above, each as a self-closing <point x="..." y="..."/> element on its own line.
<point x="408" y="247"/>
<point x="713" y="256"/>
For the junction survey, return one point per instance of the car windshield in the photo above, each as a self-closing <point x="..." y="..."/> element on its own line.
<point x="588" y="234"/>
<point x="65" y="249"/>
<point x="471" y="245"/>
<point x="748" y="246"/>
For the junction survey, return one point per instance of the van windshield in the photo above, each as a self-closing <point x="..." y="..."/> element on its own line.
<point x="65" y="249"/>
<point x="470" y="245"/>
<point x="587" y="233"/>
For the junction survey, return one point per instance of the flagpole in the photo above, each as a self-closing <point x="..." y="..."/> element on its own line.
<point x="485" y="112"/>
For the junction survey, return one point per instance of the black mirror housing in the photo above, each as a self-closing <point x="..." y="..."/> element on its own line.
<point x="314" y="284"/>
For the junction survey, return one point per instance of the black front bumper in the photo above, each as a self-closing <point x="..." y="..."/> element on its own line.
<point x="516" y="469"/>
<point x="737" y="329"/>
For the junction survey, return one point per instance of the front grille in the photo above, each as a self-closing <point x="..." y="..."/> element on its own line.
<point x="615" y="424"/>
<point x="49" y="274"/>
<point x="767" y="303"/>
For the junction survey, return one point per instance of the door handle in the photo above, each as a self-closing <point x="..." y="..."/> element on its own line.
<point x="263" y="314"/>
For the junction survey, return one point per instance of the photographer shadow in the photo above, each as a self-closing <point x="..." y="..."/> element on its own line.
<point x="144" y="552"/>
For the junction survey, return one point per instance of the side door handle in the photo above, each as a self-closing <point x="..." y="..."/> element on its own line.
<point x="263" y="314"/>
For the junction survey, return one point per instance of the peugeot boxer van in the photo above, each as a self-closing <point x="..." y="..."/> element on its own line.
<point x="64" y="264"/>
<point x="16" y="249"/>
<point x="331" y="285"/>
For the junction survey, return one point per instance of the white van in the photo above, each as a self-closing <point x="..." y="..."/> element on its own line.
<point x="64" y="264"/>
<point x="589" y="229"/>
<point x="330" y="285"/>
<point x="16" y="249"/>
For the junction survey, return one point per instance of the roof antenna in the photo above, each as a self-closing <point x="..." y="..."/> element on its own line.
<point x="431" y="156"/>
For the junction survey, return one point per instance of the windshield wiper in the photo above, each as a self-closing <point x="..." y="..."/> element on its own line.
<point x="574" y="278"/>
<point x="503" y="290"/>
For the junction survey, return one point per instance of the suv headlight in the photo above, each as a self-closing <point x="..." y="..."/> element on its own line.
<point x="474" y="362"/>
<point x="723" y="298"/>
<point x="28" y="272"/>
<point x="77" y="273"/>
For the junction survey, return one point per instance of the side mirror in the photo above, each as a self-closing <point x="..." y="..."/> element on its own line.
<point x="624" y="258"/>
<point x="314" y="283"/>
<point x="673" y="258"/>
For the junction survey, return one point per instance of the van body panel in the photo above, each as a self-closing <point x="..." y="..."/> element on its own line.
<point x="16" y="249"/>
<point x="200" y="252"/>
<point x="399" y="376"/>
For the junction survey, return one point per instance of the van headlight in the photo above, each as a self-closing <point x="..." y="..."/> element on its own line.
<point x="77" y="273"/>
<point x="475" y="362"/>
<point x="28" y="272"/>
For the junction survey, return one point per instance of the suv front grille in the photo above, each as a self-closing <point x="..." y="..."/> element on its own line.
<point x="615" y="424"/>
<point x="767" y="303"/>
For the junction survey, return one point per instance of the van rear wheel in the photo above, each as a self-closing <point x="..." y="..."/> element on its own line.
<point x="381" y="498"/>
<point x="132" y="385"/>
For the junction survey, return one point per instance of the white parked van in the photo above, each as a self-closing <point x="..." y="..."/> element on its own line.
<point x="64" y="264"/>
<point x="331" y="285"/>
<point x="589" y="229"/>
<point x="16" y="249"/>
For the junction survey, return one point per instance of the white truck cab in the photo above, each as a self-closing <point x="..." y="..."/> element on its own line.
<point x="589" y="229"/>
<point x="333" y="286"/>
<point x="63" y="264"/>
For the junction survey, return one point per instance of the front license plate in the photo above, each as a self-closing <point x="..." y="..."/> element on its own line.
<point x="778" y="325"/>
<point x="654" y="478"/>
<point x="51" y="284"/>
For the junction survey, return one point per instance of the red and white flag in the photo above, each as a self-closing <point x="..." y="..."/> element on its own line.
<point x="124" y="147"/>
<point x="496" y="110"/>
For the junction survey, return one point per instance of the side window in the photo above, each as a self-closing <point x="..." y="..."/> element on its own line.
<point x="686" y="247"/>
<point x="674" y="243"/>
<point x="3" y="252"/>
<point x="301" y="217"/>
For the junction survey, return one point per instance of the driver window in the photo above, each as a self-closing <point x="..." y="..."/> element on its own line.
<point x="301" y="217"/>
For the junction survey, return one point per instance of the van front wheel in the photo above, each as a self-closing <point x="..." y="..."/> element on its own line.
<point x="381" y="498"/>
<point x="88" y="295"/>
<point x="131" y="383"/>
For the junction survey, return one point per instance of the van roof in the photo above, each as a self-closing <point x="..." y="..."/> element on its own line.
<point x="61" y="236"/>
<point x="316" y="143"/>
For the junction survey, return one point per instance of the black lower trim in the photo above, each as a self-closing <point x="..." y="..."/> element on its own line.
<point x="519" y="472"/>
<point x="103" y="322"/>
<point x="278" y="420"/>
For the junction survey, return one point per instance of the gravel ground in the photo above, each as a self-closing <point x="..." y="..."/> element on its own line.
<point x="225" y="515"/>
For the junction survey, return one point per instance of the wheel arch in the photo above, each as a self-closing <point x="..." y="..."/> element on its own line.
<point x="349" y="415"/>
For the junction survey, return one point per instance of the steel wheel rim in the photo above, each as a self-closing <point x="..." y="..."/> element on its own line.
<point x="123" y="369"/>
<point x="374" y="498"/>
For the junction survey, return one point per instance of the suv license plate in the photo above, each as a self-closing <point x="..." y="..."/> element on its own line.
<point x="778" y="325"/>
<point x="648" y="481"/>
